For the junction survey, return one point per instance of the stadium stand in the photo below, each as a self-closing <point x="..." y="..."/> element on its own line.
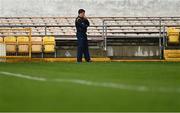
<point x="64" y="26"/>
<point x="104" y="31"/>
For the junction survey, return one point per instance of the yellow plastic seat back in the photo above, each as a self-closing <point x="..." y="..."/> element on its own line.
<point x="23" y="44"/>
<point x="48" y="40"/>
<point x="36" y="44"/>
<point x="173" y="35"/>
<point x="10" y="42"/>
<point x="49" y="48"/>
<point x="49" y="44"/>
<point x="23" y="48"/>
<point x="36" y="40"/>
<point x="1" y="39"/>
<point x="22" y="40"/>
<point x="10" y="48"/>
<point x="36" y="49"/>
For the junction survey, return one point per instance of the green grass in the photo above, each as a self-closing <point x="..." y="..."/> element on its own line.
<point x="19" y="94"/>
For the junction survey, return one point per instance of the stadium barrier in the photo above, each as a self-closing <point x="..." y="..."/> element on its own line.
<point x="156" y="24"/>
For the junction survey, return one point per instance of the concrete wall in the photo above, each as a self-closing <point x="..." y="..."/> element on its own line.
<point x="133" y="51"/>
<point x="93" y="7"/>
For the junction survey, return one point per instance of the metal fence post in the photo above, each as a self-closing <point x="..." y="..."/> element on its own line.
<point x="105" y="44"/>
<point x="164" y="37"/>
<point x="45" y="30"/>
<point x="160" y="40"/>
<point x="103" y="34"/>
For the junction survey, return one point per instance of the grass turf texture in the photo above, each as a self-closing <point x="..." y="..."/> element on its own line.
<point x="19" y="94"/>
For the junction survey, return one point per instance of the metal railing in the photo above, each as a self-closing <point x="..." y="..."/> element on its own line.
<point x="162" y="30"/>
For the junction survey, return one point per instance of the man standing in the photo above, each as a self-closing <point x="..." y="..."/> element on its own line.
<point x="82" y="24"/>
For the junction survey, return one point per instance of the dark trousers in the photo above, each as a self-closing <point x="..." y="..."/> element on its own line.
<point x="82" y="48"/>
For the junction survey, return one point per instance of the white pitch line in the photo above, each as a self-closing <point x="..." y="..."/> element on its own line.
<point x="23" y="76"/>
<point x="96" y="84"/>
<point x="104" y="84"/>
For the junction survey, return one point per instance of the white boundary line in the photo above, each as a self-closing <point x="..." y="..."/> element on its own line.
<point x="95" y="84"/>
<point x="23" y="76"/>
<point x="104" y="84"/>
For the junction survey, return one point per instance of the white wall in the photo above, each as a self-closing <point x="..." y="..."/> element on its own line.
<point x="93" y="7"/>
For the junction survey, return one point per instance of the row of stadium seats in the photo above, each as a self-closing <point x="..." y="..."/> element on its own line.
<point x="25" y="44"/>
<point x="128" y="26"/>
<point x="95" y="31"/>
<point x="93" y="20"/>
<point x="173" y="35"/>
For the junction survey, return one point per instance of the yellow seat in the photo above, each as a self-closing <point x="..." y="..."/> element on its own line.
<point x="173" y="35"/>
<point x="1" y="39"/>
<point x="23" y="48"/>
<point x="10" y="42"/>
<point x="23" y="44"/>
<point x="36" y="46"/>
<point x="36" y="40"/>
<point x="49" y="44"/>
<point x="23" y="40"/>
<point x="10" y="39"/>
<point x="48" y="40"/>
<point x="49" y="48"/>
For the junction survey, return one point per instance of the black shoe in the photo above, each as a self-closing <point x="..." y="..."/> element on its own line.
<point x="79" y="61"/>
<point x="89" y="61"/>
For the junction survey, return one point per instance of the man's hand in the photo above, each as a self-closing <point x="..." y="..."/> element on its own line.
<point x="85" y="17"/>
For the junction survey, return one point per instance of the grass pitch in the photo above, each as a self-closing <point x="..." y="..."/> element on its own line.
<point x="112" y="86"/>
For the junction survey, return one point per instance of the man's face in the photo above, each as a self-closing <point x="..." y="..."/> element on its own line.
<point x="82" y="14"/>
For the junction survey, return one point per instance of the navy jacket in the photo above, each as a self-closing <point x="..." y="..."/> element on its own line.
<point x="81" y="25"/>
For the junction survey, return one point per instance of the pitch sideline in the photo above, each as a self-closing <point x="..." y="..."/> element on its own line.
<point x="92" y="83"/>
